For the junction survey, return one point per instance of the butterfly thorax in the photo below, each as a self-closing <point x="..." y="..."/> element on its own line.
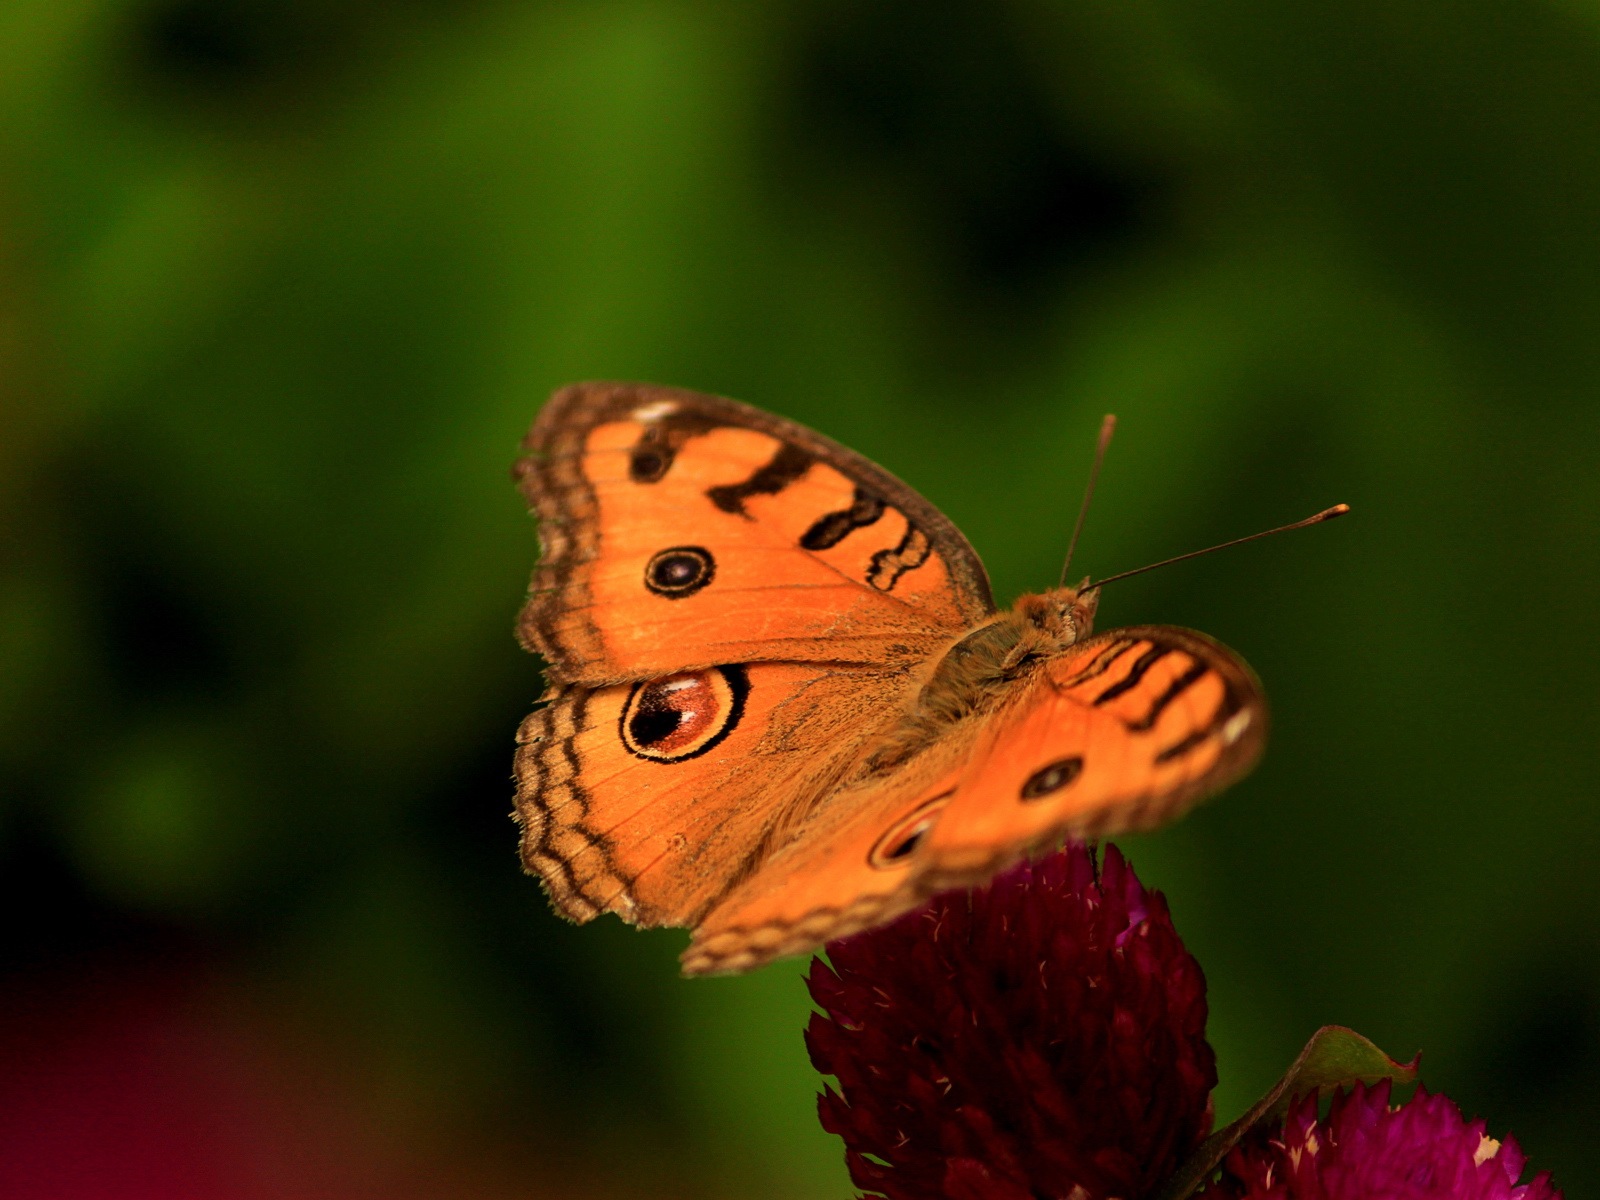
<point x="985" y="664"/>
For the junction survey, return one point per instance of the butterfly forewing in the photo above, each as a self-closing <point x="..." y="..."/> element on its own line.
<point x="682" y="531"/>
<point x="1125" y="731"/>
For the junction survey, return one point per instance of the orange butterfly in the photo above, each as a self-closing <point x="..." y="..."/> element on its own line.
<point x="782" y="706"/>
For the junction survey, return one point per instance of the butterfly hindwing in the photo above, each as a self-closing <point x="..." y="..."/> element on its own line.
<point x="651" y="799"/>
<point x="851" y="866"/>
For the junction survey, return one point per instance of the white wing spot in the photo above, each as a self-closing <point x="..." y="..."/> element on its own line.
<point x="1234" y="727"/>
<point x="655" y="410"/>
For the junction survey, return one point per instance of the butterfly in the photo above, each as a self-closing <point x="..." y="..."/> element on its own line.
<point x="782" y="706"/>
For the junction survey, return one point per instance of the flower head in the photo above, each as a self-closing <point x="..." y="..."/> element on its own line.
<point x="1042" y="1036"/>
<point x="1365" y="1150"/>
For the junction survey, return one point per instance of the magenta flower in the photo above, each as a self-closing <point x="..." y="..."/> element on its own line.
<point x="1365" y="1150"/>
<point x="1040" y="1037"/>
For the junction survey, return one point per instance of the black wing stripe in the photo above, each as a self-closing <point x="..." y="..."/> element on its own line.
<point x="1176" y="688"/>
<point x="1229" y="707"/>
<point x="832" y="528"/>
<point x="1135" y="675"/>
<point x="1101" y="665"/>
<point x="786" y="466"/>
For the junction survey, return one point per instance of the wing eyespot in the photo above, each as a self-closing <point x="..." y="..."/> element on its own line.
<point x="679" y="571"/>
<point x="1048" y="780"/>
<point x="682" y="716"/>
<point x="896" y="847"/>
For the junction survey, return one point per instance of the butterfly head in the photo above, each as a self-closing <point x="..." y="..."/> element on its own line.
<point x="1062" y="615"/>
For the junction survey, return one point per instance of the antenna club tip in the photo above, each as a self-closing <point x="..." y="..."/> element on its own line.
<point x="1327" y="514"/>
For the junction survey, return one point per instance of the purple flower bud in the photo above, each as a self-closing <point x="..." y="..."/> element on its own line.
<point x="1040" y="1037"/>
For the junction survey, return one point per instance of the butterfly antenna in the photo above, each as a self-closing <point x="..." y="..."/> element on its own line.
<point x="1108" y="426"/>
<point x="1327" y="514"/>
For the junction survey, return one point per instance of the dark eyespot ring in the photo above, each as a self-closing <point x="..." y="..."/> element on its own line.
<point x="680" y="571"/>
<point x="682" y="716"/>
<point x="902" y="839"/>
<point x="1052" y="778"/>
<point x="909" y="843"/>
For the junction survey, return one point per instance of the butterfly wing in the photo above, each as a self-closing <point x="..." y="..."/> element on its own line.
<point x="703" y="557"/>
<point x="656" y="828"/>
<point x="1124" y="731"/>
<point x="682" y="530"/>
<point x="851" y="866"/>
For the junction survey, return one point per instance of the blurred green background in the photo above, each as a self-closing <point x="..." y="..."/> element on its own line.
<point x="281" y="285"/>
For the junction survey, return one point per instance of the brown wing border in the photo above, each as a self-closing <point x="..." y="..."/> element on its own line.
<point x="549" y="477"/>
<point x="547" y="781"/>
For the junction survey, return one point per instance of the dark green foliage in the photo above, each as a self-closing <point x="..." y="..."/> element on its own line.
<point x="281" y="286"/>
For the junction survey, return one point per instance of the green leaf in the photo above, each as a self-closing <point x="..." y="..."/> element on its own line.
<point x="1334" y="1057"/>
